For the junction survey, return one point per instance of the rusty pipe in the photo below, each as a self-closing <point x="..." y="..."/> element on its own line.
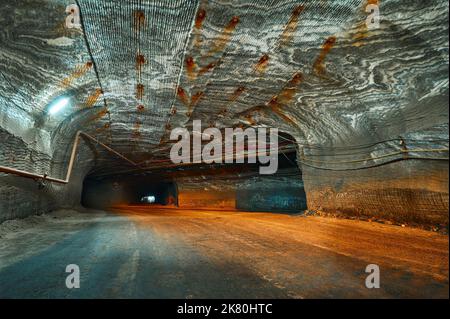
<point x="10" y="170"/>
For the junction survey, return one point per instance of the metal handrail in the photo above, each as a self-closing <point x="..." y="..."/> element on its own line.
<point x="10" y="170"/>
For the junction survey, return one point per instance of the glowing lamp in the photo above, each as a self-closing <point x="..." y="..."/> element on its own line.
<point x="58" y="105"/>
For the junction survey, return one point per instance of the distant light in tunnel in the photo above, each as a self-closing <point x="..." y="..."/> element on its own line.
<point x="58" y="105"/>
<point x="148" y="199"/>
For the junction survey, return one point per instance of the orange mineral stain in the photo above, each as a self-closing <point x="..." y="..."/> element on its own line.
<point x="196" y="97"/>
<point x="234" y="96"/>
<point x="139" y="20"/>
<point x="139" y="91"/>
<point x="92" y="99"/>
<point x="291" y="27"/>
<point x="286" y="118"/>
<point x="99" y="115"/>
<point x="190" y="68"/>
<point x="194" y="101"/>
<point x="199" y="18"/>
<point x="79" y="72"/>
<point x="261" y="66"/>
<point x="318" y="66"/>
<point x="206" y="68"/>
<point x="285" y="97"/>
<point x="140" y="61"/>
<point x="182" y="96"/>
<point x="223" y="40"/>
<point x="237" y="93"/>
<point x="287" y="94"/>
<point x="136" y="128"/>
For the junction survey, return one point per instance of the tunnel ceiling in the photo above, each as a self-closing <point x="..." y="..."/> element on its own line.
<point x="140" y="68"/>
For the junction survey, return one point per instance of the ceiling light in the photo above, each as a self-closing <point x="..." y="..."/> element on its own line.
<point x="58" y="105"/>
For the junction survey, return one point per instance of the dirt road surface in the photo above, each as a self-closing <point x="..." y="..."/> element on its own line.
<point x="143" y="252"/>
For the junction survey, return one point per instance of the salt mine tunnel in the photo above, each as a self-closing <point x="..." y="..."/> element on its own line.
<point x="349" y="98"/>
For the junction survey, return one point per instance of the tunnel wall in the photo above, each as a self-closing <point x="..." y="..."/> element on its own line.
<point x="206" y="194"/>
<point x="105" y="194"/>
<point x="273" y="193"/>
<point x="21" y="197"/>
<point x="412" y="191"/>
<point x="34" y="71"/>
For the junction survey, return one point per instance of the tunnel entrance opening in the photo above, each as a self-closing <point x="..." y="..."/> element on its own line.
<point x="282" y="192"/>
<point x="216" y="186"/>
<point x="147" y="192"/>
<point x="241" y="186"/>
<point x="139" y="190"/>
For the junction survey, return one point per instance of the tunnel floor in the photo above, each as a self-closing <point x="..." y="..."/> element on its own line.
<point x="142" y="252"/>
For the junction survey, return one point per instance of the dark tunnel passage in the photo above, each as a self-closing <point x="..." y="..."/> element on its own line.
<point x="236" y="186"/>
<point x="128" y="191"/>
